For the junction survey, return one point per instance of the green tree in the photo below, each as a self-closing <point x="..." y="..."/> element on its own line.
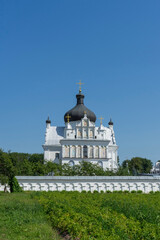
<point x="138" y="165"/>
<point x="51" y="168"/>
<point x="6" y="166"/>
<point x="34" y="158"/>
<point x="7" y="170"/>
<point x="14" y="185"/>
<point x="123" y="171"/>
<point x="4" y="181"/>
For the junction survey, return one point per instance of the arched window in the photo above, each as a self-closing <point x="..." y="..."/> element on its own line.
<point x="91" y="152"/>
<point x="66" y="151"/>
<point x="79" y="151"/>
<point x="100" y="164"/>
<point x="96" y="152"/>
<point x="91" y="133"/>
<point x="85" y="123"/>
<point x="85" y="151"/>
<point x="103" y="152"/>
<point x="73" y="151"/>
<point x="85" y="133"/>
<point x="79" y="133"/>
<point x="71" y="163"/>
<point x="57" y="155"/>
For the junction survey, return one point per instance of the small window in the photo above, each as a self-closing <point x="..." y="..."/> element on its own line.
<point x="57" y="155"/>
<point x="91" y="134"/>
<point x="85" y="123"/>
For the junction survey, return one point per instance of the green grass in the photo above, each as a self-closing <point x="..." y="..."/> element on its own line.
<point x="83" y="216"/>
<point x="22" y="217"/>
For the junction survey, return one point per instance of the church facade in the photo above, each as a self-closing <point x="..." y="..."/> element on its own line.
<point x="80" y="140"/>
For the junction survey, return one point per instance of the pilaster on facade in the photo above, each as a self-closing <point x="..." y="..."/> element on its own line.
<point x="81" y="151"/>
<point x="70" y="151"/>
<point x="99" y="152"/>
<point x="76" y="151"/>
<point x="88" y="153"/>
<point x="106" y="151"/>
<point x="63" y="151"/>
<point x="93" y="151"/>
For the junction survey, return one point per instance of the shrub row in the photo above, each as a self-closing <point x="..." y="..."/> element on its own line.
<point x="103" y="216"/>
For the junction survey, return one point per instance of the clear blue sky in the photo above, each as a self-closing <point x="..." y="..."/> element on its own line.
<point x="112" y="46"/>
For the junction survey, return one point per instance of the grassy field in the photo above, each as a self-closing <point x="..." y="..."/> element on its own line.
<point x="81" y="216"/>
<point x="22" y="218"/>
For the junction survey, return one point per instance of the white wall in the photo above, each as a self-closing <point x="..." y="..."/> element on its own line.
<point x="79" y="183"/>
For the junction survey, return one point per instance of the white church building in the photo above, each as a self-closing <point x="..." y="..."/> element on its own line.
<point x="80" y="140"/>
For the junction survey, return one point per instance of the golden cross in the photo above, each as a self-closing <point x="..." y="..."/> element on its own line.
<point x="101" y="119"/>
<point x="85" y="112"/>
<point x="68" y="117"/>
<point x="80" y="87"/>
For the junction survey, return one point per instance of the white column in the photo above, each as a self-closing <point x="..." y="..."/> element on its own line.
<point x="106" y="151"/>
<point x="76" y="149"/>
<point x="82" y="132"/>
<point x="99" y="151"/>
<point x="87" y="151"/>
<point x="93" y="151"/>
<point x="63" y="151"/>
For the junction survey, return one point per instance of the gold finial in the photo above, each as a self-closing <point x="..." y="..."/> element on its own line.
<point x="80" y="87"/>
<point x="101" y="119"/>
<point x="68" y="117"/>
<point x="85" y="112"/>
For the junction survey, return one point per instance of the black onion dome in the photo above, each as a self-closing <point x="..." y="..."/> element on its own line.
<point x="110" y="122"/>
<point x="77" y="113"/>
<point x="48" y="120"/>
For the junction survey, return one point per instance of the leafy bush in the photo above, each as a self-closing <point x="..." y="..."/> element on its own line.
<point x="139" y="191"/>
<point x="14" y="185"/>
<point x="104" y="216"/>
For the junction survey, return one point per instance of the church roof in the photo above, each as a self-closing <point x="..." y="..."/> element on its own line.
<point x="77" y="113"/>
<point x="54" y="135"/>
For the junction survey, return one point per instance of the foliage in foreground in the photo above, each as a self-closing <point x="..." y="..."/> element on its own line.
<point x="112" y="216"/>
<point x="22" y="218"/>
<point x="7" y="173"/>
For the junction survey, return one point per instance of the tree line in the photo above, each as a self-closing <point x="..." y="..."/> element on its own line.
<point x="23" y="164"/>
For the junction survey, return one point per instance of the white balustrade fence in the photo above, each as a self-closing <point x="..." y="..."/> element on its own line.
<point x="88" y="183"/>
